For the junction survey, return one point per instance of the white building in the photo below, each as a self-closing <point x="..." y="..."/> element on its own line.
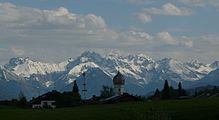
<point x="45" y="104"/>
<point x="46" y="100"/>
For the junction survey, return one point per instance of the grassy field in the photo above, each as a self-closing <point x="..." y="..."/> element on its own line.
<point x="203" y="109"/>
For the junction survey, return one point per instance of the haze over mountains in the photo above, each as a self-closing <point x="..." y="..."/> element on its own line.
<point x="143" y="74"/>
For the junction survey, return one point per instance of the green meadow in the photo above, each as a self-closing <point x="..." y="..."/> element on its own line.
<point x="193" y="109"/>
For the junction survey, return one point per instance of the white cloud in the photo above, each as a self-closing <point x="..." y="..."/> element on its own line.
<point x="139" y="1"/>
<point x="205" y="47"/>
<point x="168" y="39"/>
<point x="200" y="3"/>
<point x="17" y="51"/>
<point x="169" y="9"/>
<point x="36" y="27"/>
<point x="16" y="16"/>
<point x="186" y="41"/>
<point x="60" y="33"/>
<point x="212" y="40"/>
<point x="144" y="17"/>
<point x="194" y="2"/>
<point x="135" y="38"/>
<point x="214" y="3"/>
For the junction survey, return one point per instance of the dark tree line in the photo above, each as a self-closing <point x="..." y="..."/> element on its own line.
<point x="168" y="92"/>
<point x="65" y="99"/>
<point x="20" y="102"/>
<point x="106" y="92"/>
<point x="68" y="99"/>
<point x="207" y="91"/>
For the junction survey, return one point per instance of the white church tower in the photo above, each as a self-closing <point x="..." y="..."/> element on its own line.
<point x="119" y="83"/>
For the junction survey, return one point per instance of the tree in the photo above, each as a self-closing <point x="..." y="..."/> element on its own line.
<point x="172" y="92"/>
<point x="156" y="95"/>
<point x="166" y="91"/>
<point x="22" y="102"/>
<point x="75" y="87"/>
<point x="215" y="89"/>
<point x="179" y="86"/>
<point x="66" y="99"/>
<point x="157" y="92"/>
<point x="106" y="92"/>
<point x="181" y="91"/>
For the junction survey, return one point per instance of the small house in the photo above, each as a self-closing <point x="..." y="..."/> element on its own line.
<point x="45" y="101"/>
<point x="45" y="104"/>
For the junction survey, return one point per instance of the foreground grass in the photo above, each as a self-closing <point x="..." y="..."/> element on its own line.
<point x="203" y="109"/>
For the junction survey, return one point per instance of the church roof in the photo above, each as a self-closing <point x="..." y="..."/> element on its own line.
<point x="119" y="79"/>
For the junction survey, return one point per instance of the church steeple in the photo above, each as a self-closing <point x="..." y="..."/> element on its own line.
<point x="119" y="83"/>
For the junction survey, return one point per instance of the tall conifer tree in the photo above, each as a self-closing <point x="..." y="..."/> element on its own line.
<point x="166" y="91"/>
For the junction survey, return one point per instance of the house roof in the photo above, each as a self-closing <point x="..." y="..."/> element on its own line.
<point x="49" y="96"/>
<point x="120" y="98"/>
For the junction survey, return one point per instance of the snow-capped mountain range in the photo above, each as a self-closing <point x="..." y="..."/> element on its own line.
<point x="143" y="74"/>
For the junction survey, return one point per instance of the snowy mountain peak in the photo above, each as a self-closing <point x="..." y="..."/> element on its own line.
<point x="196" y="64"/>
<point x="70" y="59"/>
<point x="140" y="58"/>
<point x="141" y="71"/>
<point x="144" y="56"/>
<point x="113" y="54"/>
<point x="15" y="61"/>
<point x="195" y="61"/>
<point x="168" y="61"/>
<point x="215" y="65"/>
<point x="169" y="64"/>
<point x="90" y="54"/>
<point x="25" y="67"/>
<point x="80" y="68"/>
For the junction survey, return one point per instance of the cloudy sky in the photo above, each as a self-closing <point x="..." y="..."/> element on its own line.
<point x="54" y="30"/>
